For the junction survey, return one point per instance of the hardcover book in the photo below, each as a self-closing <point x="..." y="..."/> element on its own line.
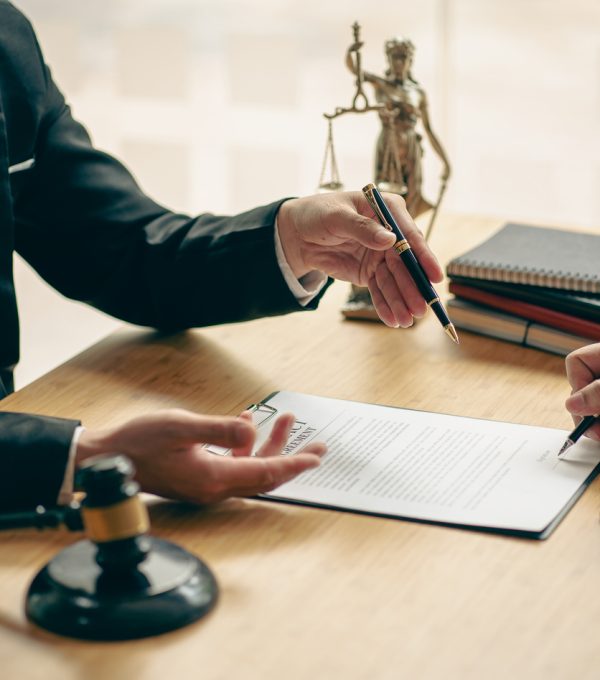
<point x="550" y="317"/>
<point x="495" y="324"/>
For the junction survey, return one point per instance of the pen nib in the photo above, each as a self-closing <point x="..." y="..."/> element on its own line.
<point x="565" y="446"/>
<point x="451" y="331"/>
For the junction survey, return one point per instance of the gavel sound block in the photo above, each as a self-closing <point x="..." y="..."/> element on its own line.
<point x="120" y="583"/>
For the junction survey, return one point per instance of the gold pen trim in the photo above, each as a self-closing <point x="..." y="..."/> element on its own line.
<point x="401" y="246"/>
<point x="368" y="192"/>
<point x="432" y="301"/>
<point x="450" y="330"/>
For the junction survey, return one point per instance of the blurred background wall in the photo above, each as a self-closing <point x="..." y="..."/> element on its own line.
<point x="216" y="106"/>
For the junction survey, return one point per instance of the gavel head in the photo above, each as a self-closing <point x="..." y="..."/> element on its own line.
<point x="114" y="517"/>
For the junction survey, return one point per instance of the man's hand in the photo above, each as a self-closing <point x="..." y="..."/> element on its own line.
<point x="338" y="234"/>
<point x="583" y="370"/>
<point x="167" y="450"/>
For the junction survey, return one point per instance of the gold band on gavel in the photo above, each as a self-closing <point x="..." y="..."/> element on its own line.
<point x="125" y="519"/>
<point x="402" y="245"/>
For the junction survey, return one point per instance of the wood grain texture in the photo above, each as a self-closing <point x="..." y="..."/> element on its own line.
<point x="310" y="593"/>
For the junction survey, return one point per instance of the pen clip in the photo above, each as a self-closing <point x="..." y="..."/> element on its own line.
<point x="370" y="196"/>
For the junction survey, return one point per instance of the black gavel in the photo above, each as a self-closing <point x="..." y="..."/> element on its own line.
<point x="119" y="583"/>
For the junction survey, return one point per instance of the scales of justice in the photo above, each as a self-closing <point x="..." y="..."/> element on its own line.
<point x="401" y="105"/>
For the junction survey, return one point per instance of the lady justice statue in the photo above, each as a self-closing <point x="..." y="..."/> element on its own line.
<point x="401" y="104"/>
<point x="399" y="151"/>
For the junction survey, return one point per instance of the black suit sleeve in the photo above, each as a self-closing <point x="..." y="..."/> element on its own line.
<point x="85" y="225"/>
<point x="34" y="458"/>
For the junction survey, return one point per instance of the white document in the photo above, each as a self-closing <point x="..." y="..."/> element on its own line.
<point x="433" y="467"/>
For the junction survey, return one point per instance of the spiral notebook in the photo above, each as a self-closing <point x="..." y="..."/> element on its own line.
<point x="535" y="256"/>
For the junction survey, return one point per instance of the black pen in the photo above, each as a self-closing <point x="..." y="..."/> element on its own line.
<point x="402" y="247"/>
<point x="583" y="426"/>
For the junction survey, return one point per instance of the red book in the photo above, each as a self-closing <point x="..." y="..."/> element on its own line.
<point x="549" y="317"/>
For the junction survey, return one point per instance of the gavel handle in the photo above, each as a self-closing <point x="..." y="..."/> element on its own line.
<point x="68" y="516"/>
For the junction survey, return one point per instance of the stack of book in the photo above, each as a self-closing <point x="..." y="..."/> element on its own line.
<point x="535" y="286"/>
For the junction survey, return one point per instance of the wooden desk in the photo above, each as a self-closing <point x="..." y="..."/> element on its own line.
<point x="310" y="593"/>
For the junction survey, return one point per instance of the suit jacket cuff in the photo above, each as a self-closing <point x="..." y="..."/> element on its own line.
<point x="34" y="451"/>
<point x="65" y="495"/>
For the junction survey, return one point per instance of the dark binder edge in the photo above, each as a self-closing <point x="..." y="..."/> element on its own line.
<point x="567" y="301"/>
<point x="570" y="503"/>
<point x="540" y="535"/>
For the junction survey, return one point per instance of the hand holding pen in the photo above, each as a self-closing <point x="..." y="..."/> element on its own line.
<point x="405" y="252"/>
<point x="338" y="234"/>
<point x="583" y="369"/>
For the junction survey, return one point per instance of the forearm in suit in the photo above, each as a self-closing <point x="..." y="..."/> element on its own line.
<point x="84" y="224"/>
<point x="33" y="454"/>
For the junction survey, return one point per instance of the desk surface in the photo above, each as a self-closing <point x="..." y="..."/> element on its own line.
<point x="310" y="593"/>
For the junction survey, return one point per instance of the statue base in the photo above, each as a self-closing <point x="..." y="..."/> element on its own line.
<point x="359" y="305"/>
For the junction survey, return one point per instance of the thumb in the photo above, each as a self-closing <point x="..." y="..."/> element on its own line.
<point x="585" y="401"/>
<point x="366" y="231"/>
<point x="583" y="366"/>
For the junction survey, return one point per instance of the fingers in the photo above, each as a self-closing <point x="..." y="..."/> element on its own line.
<point x="593" y="432"/>
<point x="381" y="306"/>
<point x="253" y="476"/>
<point x="586" y="401"/>
<point x="278" y="436"/>
<point x="394" y="293"/>
<point x="397" y="205"/>
<point x="583" y="366"/>
<point x="386" y="283"/>
<point x="414" y="236"/>
<point x="220" y="430"/>
<point x="246" y="450"/>
<point x="405" y="285"/>
<point x="277" y="439"/>
<point x="269" y="468"/>
<point x="316" y="448"/>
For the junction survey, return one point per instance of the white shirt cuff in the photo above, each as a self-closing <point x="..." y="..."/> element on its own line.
<point x="308" y="286"/>
<point x="65" y="495"/>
